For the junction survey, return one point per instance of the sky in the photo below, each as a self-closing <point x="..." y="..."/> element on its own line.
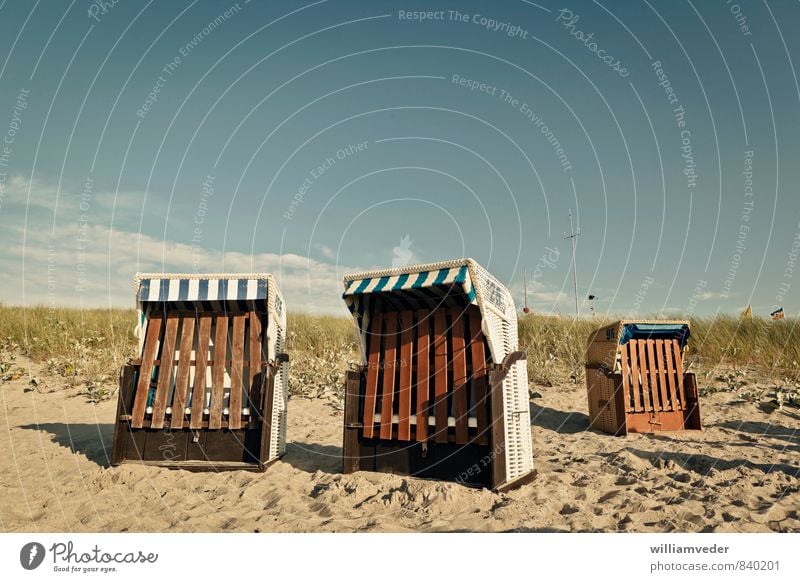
<point x="313" y="139"/>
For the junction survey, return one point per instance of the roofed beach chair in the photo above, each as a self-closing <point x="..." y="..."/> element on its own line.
<point x="636" y="381"/>
<point x="442" y="391"/>
<point x="209" y="388"/>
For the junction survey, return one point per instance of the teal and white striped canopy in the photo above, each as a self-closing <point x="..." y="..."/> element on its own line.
<point x="413" y="289"/>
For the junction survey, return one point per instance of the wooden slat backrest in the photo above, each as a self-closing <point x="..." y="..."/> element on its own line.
<point x="201" y="365"/>
<point x="417" y="364"/>
<point x="218" y="372"/>
<point x="237" y="373"/>
<point x="373" y="367"/>
<point x="389" y="365"/>
<point x="440" y="374"/>
<point x="460" y="387"/>
<point x="404" y="387"/>
<point x="182" y="376"/>
<point x="652" y="374"/>
<point x="149" y="352"/>
<point x="479" y="375"/>
<point x="183" y="340"/>
<point x="422" y="379"/>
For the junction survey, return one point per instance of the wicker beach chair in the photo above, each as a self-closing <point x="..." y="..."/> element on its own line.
<point x="442" y="391"/>
<point x="209" y="388"/>
<point x="636" y="381"/>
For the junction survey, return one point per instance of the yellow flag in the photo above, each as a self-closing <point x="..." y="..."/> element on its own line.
<point x="747" y="313"/>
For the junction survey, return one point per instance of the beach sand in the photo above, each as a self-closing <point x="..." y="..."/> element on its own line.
<point x="740" y="474"/>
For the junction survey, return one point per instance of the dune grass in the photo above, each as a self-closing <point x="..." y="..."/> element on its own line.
<point x="87" y="347"/>
<point x="84" y="347"/>
<point x="557" y="345"/>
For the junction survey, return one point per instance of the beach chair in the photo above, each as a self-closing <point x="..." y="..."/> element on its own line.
<point x="442" y="391"/>
<point x="209" y="388"/>
<point x="636" y="381"/>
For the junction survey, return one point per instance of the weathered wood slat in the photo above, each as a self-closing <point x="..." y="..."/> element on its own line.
<point x="676" y="350"/>
<point x="423" y="373"/>
<point x="635" y="384"/>
<point x="373" y="365"/>
<point x="666" y="401"/>
<point x="640" y="346"/>
<point x="404" y="388"/>
<point x="460" y="396"/>
<point x="201" y="361"/>
<point x="479" y="376"/>
<point x="237" y="368"/>
<point x="176" y="361"/>
<point x="204" y="425"/>
<point x="672" y="383"/>
<point x="389" y="362"/>
<point x="218" y="372"/>
<point x="182" y="377"/>
<point x="146" y="369"/>
<point x="652" y="374"/>
<point x="165" y="371"/>
<point x="440" y="374"/>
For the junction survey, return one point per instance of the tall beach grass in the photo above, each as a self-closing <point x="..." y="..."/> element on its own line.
<point x="87" y="347"/>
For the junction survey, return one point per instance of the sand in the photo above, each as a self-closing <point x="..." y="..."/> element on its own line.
<point x="741" y="474"/>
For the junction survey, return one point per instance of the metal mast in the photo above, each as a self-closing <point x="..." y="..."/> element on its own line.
<point x="572" y="236"/>
<point x="525" y="308"/>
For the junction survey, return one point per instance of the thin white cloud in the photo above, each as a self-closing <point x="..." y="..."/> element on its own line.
<point x="96" y="266"/>
<point x="326" y="251"/>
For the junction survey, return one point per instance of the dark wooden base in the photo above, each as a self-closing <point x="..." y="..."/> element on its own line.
<point x="169" y="447"/>
<point x="466" y="464"/>
<point x="470" y="465"/>
<point x="193" y="449"/>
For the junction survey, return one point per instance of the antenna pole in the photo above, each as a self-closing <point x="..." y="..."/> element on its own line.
<point x="572" y="236"/>
<point x="526" y="290"/>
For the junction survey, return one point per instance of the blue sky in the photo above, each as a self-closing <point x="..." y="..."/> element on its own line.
<point x="309" y="139"/>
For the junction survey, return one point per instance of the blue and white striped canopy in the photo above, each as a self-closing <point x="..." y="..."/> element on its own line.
<point x="210" y="293"/>
<point x="446" y="287"/>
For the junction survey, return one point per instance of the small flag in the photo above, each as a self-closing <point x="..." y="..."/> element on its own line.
<point x="777" y="314"/>
<point x="747" y="313"/>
